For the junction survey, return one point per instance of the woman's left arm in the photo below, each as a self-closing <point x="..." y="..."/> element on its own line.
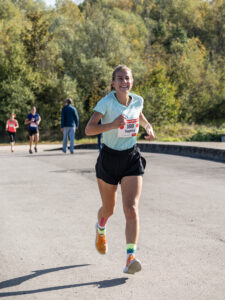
<point x="147" y="126"/>
<point x="39" y="120"/>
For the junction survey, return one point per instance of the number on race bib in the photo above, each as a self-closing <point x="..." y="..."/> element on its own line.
<point x="34" y="125"/>
<point x="130" y="129"/>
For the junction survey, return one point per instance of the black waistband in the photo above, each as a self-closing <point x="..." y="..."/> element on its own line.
<point x="119" y="152"/>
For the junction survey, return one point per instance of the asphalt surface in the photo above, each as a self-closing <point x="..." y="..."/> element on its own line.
<point x="49" y="203"/>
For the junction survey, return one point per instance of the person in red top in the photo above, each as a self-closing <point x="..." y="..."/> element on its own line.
<point x="11" y="126"/>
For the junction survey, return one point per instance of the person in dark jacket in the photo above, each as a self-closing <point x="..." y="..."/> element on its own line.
<point x="69" y="124"/>
<point x="100" y="138"/>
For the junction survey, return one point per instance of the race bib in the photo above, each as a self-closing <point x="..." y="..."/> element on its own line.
<point x="33" y="125"/>
<point x="130" y="129"/>
<point x="11" y="125"/>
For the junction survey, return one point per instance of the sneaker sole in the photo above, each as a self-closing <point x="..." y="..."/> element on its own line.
<point x="96" y="228"/>
<point x="134" y="267"/>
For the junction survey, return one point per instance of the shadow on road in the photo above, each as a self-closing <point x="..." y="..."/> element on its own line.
<point x="19" y="280"/>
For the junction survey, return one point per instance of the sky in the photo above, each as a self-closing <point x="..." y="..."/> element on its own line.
<point x="52" y="2"/>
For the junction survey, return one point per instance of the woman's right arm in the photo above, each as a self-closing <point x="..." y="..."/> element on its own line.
<point x="27" y="121"/>
<point x="93" y="128"/>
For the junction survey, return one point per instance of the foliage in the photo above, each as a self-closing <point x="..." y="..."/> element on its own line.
<point x="161" y="106"/>
<point x="175" y="49"/>
<point x="192" y="133"/>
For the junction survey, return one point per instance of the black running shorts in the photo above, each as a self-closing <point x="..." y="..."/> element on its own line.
<point x="12" y="136"/>
<point x="33" y="131"/>
<point x="113" y="165"/>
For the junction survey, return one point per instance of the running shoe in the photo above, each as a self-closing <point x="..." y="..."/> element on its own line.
<point x="30" y="151"/>
<point x="100" y="242"/>
<point x="35" y="149"/>
<point x="133" y="265"/>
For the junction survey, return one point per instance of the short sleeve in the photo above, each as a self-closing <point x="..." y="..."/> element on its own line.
<point x="142" y="103"/>
<point x="101" y="107"/>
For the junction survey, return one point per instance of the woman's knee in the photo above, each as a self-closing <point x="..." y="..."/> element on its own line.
<point x="131" y="212"/>
<point x="108" y="211"/>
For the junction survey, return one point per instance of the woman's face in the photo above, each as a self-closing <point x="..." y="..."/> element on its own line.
<point x="123" y="81"/>
<point x="33" y="110"/>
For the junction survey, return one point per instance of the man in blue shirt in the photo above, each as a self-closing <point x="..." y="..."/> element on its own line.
<point x="69" y="124"/>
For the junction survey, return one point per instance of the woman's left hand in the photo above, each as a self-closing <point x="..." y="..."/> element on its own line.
<point x="150" y="133"/>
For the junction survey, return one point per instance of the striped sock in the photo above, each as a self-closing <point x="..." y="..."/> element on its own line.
<point x="131" y="249"/>
<point x="101" y="230"/>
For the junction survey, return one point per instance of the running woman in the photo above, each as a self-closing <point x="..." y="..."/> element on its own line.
<point x="120" y="160"/>
<point x="33" y="120"/>
<point x="11" y="126"/>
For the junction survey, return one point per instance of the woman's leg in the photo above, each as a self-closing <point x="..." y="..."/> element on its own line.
<point x="131" y="187"/>
<point x="36" y="140"/>
<point x="31" y="141"/>
<point x="11" y="137"/>
<point x="13" y="142"/>
<point x="12" y="146"/>
<point x="109" y="195"/>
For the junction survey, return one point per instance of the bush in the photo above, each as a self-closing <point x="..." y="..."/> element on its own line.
<point x="184" y="132"/>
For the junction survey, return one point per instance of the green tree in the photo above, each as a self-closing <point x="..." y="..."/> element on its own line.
<point x="161" y="106"/>
<point x="35" y="38"/>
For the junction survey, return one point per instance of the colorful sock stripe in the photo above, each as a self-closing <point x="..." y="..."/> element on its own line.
<point x="102" y="221"/>
<point x="131" y="248"/>
<point x="101" y="230"/>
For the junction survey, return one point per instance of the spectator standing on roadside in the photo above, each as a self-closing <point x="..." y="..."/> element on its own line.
<point x="69" y="124"/>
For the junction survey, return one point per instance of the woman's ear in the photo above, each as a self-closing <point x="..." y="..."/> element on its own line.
<point x="112" y="86"/>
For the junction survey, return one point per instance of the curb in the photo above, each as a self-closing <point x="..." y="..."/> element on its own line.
<point x="181" y="150"/>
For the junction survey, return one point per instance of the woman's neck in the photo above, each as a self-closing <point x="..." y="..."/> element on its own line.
<point x="123" y="98"/>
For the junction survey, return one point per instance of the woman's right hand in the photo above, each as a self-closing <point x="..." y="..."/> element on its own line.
<point x="119" y="121"/>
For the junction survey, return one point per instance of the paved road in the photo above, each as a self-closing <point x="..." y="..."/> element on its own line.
<point x="48" y="212"/>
